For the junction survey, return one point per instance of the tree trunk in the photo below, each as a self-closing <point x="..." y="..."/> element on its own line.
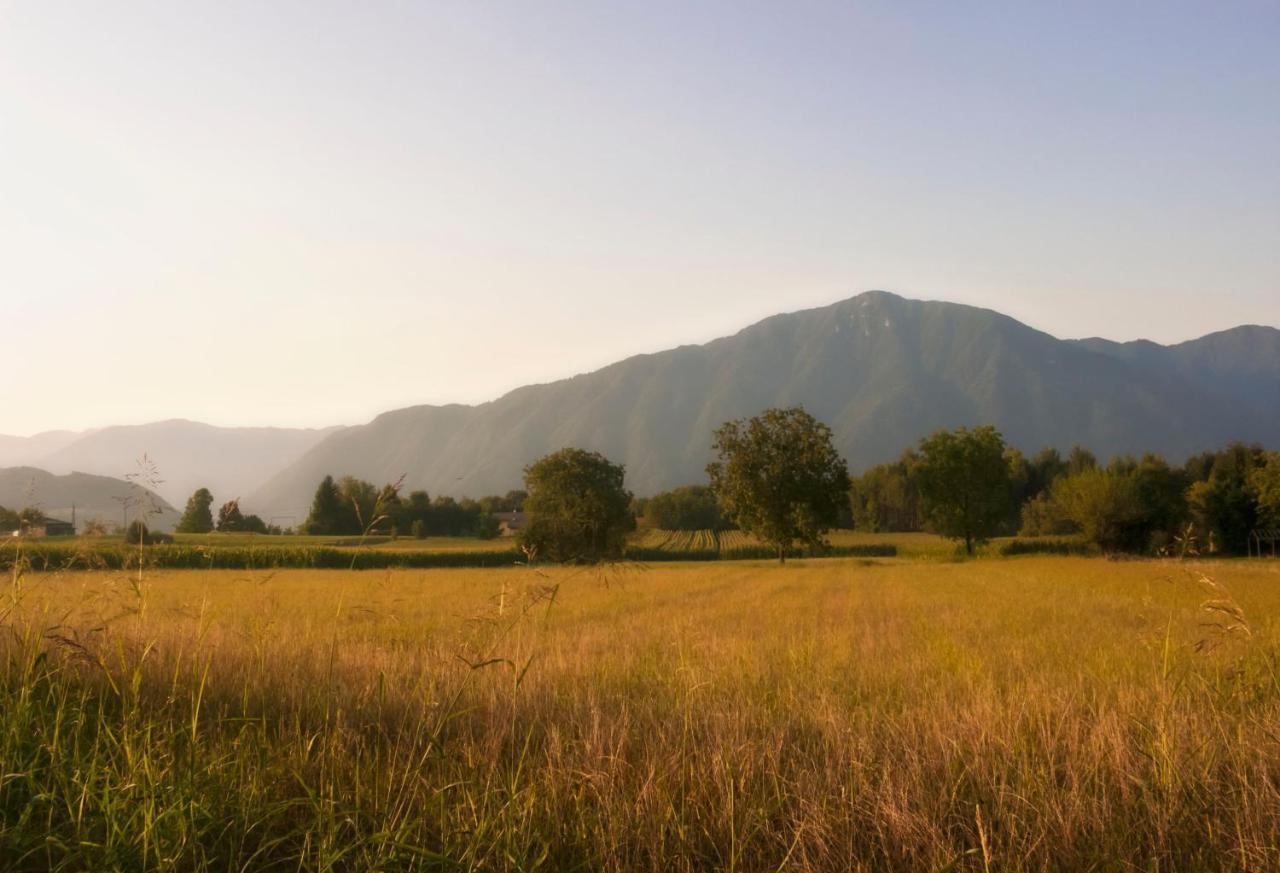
<point x="782" y="554"/>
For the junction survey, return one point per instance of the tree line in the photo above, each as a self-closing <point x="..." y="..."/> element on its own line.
<point x="352" y="507"/>
<point x="198" y="517"/>
<point x="1212" y="502"/>
<point x="779" y="477"/>
<point x="14" y="519"/>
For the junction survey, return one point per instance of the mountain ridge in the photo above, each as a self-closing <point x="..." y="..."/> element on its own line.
<point x="882" y="370"/>
<point x="230" y="461"/>
<point x="84" y="495"/>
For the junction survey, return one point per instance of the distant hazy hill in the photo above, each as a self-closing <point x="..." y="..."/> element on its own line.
<point x="230" y="462"/>
<point x="16" y="451"/>
<point x="92" y="496"/>
<point x="881" y="370"/>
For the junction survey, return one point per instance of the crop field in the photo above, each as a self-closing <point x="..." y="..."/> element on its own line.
<point x="384" y="543"/>
<point x="259" y="551"/>
<point x="1019" y="714"/>
<point x="912" y="545"/>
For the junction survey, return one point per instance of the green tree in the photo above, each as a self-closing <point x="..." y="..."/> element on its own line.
<point x="198" y="516"/>
<point x="229" y="517"/>
<point x="1161" y="492"/>
<point x="780" y="477"/>
<point x="326" y="510"/>
<point x="359" y="504"/>
<point x="1081" y="459"/>
<point x="1046" y="467"/>
<point x="887" y="497"/>
<point x="1021" y="476"/>
<point x="964" y="483"/>
<point x="253" y="524"/>
<point x="1103" y="504"/>
<point x="509" y="502"/>
<point x="578" y="509"/>
<point x="1264" y="481"/>
<point x="1041" y="517"/>
<point x="137" y="534"/>
<point x="690" y="507"/>
<point x="1225" y="507"/>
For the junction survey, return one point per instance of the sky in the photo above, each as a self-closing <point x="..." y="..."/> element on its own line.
<point x="307" y="213"/>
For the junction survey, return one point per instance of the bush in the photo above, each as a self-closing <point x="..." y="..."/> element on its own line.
<point x="1046" y="547"/>
<point x="137" y="534"/>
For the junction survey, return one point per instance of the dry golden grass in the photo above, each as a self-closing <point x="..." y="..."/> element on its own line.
<point x="1037" y="713"/>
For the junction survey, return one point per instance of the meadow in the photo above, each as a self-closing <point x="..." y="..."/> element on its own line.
<point x="1005" y="714"/>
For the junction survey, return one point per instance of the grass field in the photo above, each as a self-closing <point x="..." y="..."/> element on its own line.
<point x="1021" y="714"/>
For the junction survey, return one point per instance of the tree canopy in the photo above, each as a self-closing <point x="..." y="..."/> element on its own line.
<point x="230" y="518"/>
<point x="780" y="477"/>
<point x="1264" y="480"/>
<point x="965" y="488"/>
<point x="198" y="516"/>
<point x="690" y="507"/>
<point x="579" y="510"/>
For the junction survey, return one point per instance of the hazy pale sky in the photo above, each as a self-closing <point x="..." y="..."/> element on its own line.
<point x="308" y="213"/>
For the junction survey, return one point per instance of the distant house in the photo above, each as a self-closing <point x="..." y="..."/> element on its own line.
<point x="510" y="523"/>
<point x="44" y="526"/>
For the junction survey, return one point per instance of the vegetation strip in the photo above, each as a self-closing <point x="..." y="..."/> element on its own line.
<point x="43" y="557"/>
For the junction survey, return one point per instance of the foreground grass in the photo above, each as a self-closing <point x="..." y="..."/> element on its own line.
<point x="1024" y="714"/>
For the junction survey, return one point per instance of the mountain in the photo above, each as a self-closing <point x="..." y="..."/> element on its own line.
<point x="17" y="451"/>
<point x="94" y="497"/>
<point x="882" y="370"/>
<point x="230" y="462"/>
<point x="1243" y="363"/>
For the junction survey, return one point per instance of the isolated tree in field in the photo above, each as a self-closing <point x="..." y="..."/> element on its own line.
<point x="198" y="516"/>
<point x="229" y="517"/>
<point x="964" y="483"/>
<point x="578" y="509"/>
<point x="780" y="477"/>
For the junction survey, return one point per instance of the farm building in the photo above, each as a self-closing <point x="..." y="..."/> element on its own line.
<point x="44" y="526"/>
<point x="510" y="523"/>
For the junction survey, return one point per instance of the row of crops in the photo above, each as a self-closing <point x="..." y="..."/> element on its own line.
<point x="693" y="545"/>
<point x="648" y="546"/>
